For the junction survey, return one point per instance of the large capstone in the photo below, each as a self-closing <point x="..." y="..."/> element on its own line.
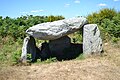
<point x="92" y="42"/>
<point x="56" y="29"/>
<point x="59" y="45"/>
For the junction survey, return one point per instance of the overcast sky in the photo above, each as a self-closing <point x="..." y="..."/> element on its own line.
<point x="67" y="8"/>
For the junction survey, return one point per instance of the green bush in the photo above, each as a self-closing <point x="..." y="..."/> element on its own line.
<point x="16" y="27"/>
<point x="108" y="21"/>
<point x="115" y="40"/>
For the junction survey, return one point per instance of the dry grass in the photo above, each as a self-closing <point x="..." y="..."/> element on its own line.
<point x="106" y="67"/>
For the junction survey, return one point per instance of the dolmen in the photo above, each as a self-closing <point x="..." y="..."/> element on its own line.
<point x="57" y="34"/>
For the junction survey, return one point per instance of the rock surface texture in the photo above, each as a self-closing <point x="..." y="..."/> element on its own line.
<point x="56" y="29"/>
<point x="92" y="42"/>
<point x="29" y="46"/>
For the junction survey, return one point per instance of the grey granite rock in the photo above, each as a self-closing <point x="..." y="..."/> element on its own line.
<point x="56" y="29"/>
<point x="29" y="46"/>
<point x="92" y="42"/>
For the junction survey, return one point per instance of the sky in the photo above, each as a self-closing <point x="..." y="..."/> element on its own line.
<point x="66" y="8"/>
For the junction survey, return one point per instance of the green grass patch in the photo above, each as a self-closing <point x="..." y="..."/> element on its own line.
<point x="80" y="57"/>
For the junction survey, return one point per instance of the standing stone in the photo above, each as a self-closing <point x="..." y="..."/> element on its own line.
<point x="92" y="42"/>
<point x="24" y="49"/>
<point x="57" y="46"/>
<point x="29" y="46"/>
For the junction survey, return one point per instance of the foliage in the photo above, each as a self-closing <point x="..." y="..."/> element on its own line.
<point x="9" y="51"/>
<point x="50" y="60"/>
<point x="80" y="57"/>
<point x="115" y="40"/>
<point x="15" y="56"/>
<point x="108" y="21"/>
<point x="52" y="18"/>
<point x="16" y="27"/>
<point x="12" y="32"/>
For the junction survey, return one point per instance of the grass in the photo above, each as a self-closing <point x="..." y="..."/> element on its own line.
<point x="50" y="60"/>
<point x="95" y="66"/>
<point x="80" y="57"/>
<point x="9" y="51"/>
<point x="106" y="67"/>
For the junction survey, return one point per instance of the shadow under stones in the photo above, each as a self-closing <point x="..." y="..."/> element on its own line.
<point x="70" y="53"/>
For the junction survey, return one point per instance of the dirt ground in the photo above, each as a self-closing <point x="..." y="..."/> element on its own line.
<point x="106" y="67"/>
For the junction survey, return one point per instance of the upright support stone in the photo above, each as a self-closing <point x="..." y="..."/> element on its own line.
<point x="25" y="49"/>
<point x="29" y="46"/>
<point x="92" y="42"/>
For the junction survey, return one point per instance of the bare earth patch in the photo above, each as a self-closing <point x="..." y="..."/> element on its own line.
<point x="93" y="68"/>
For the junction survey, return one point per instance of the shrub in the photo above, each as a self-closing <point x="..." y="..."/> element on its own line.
<point x="108" y="21"/>
<point x="115" y="40"/>
<point x="15" y="56"/>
